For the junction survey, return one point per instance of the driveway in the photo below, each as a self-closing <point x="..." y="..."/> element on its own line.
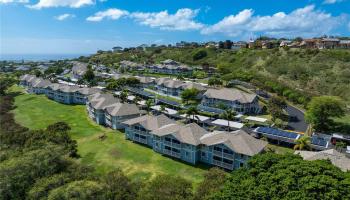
<point x="296" y="119"/>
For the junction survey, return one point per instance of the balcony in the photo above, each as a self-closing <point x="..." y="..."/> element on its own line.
<point x="172" y="153"/>
<point x="223" y="165"/>
<point x="141" y="140"/>
<point x="223" y="155"/>
<point x="171" y="144"/>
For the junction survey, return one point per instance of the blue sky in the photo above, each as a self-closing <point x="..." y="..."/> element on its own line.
<point x="84" y="26"/>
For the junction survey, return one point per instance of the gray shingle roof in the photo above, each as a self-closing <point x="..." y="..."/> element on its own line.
<point x="101" y="100"/>
<point x="123" y="109"/>
<point x="239" y="141"/>
<point x="79" y="68"/>
<point x="191" y="85"/>
<point x="338" y="159"/>
<point x="189" y="134"/>
<point x="230" y="94"/>
<point x="150" y="122"/>
<point x="89" y="91"/>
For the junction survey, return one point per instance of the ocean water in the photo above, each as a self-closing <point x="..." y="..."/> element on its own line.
<point x="38" y="57"/>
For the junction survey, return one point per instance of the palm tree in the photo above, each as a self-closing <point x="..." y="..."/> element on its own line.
<point x="191" y="111"/>
<point x="228" y="115"/>
<point x="302" y="143"/>
<point x="162" y="108"/>
<point x="180" y="77"/>
<point x="123" y="96"/>
<point x="149" y="104"/>
<point x="136" y="99"/>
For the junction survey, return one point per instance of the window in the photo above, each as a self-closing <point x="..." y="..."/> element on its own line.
<point x="204" y="154"/>
<point x="167" y="139"/>
<point x="187" y="154"/>
<point x="227" y="161"/>
<point x="167" y="148"/>
<point x="176" y="141"/>
<point x="217" y="158"/>
<point x="241" y="164"/>
<point x="217" y="148"/>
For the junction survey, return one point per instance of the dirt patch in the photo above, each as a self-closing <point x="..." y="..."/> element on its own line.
<point x="115" y="153"/>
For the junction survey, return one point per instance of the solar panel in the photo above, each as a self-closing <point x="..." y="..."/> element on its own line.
<point x="318" y="141"/>
<point x="277" y="132"/>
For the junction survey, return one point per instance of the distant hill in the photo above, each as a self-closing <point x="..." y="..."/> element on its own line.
<point x="310" y="71"/>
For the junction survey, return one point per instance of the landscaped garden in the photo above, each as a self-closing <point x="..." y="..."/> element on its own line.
<point x="137" y="161"/>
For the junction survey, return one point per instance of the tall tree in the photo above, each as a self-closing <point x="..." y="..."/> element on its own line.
<point x="167" y="187"/>
<point x="189" y="95"/>
<point x="228" y="115"/>
<point x="149" y="104"/>
<point x="321" y="110"/>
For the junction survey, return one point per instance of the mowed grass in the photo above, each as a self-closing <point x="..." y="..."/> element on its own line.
<point x="137" y="161"/>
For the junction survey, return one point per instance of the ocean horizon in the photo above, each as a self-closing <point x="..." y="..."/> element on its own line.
<point x="38" y="57"/>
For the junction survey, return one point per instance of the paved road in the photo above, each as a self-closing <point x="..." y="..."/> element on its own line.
<point x="297" y="120"/>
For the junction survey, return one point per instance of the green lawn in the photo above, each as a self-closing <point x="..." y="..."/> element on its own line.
<point x="137" y="161"/>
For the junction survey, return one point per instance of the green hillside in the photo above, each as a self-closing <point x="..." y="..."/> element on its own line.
<point x="305" y="71"/>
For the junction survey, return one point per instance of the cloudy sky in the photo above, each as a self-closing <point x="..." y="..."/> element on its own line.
<point x="84" y="26"/>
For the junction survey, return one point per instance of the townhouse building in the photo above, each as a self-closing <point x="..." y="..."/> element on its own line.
<point x="172" y="87"/>
<point x="229" y="150"/>
<point x="217" y="100"/>
<point x="79" y="69"/>
<point x="193" y="144"/>
<point x="139" y="129"/>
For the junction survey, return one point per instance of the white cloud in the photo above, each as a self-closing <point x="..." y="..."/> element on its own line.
<point x="112" y="13"/>
<point x="183" y="19"/>
<point x="331" y="1"/>
<point x="301" y="22"/>
<point x="64" y="16"/>
<point x="62" y="3"/>
<point x="13" y="1"/>
<point x="231" y="25"/>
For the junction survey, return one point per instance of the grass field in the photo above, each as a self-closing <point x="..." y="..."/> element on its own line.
<point x="137" y="161"/>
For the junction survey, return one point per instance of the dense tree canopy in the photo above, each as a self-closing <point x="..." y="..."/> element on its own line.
<point x="322" y="109"/>
<point x="273" y="176"/>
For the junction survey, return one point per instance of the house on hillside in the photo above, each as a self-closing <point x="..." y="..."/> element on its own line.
<point x="217" y="100"/>
<point x="173" y="87"/>
<point x="344" y="44"/>
<point x="329" y="43"/>
<point x="79" y="69"/>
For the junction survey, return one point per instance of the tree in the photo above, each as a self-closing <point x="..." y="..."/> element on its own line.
<point x="42" y="186"/>
<point x="89" y="75"/>
<point x="214" y="180"/>
<point x="38" y="73"/>
<point x="199" y="55"/>
<point x="228" y="115"/>
<point x="149" y="104"/>
<point x="321" y="110"/>
<point x="191" y="111"/>
<point x="166" y="187"/>
<point x="275" y="107"/>
<point x="302" y="143"/>
<point x="5" y="83"/>
<point x="58" y="127"/>
<point x="180" y="77"/>
<point x="82" y="189"/>
<point x="118" y="186"/>
<point x="214" y="82"/>
<point x="19" y="173"/>
<point x="123" y="96"/>
<point x="189" y="95"/>
<point x="162" y="108"/>
<point x="288" y="176"/>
